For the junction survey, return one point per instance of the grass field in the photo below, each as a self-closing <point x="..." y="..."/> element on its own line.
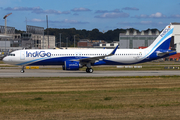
<point x="1" y="62"/>
<point x="154" y="98"/>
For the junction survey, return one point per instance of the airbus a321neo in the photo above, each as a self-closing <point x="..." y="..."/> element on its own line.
<point x="78" y="58"/>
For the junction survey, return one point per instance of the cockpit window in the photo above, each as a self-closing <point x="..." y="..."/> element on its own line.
<point x="11" y="55"/>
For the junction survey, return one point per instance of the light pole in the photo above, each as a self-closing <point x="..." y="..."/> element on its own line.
<point x="74" y="40"/>
<point x="119" y="39"/>
<point x="60" y="40"/>
<point x="47" y="29"/>
<point x="6" y="21"/>
<point x="43" y="38"/>
<point x="6" y="27"/>
<point x="66" y="42"/>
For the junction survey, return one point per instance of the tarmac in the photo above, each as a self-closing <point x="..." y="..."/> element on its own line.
<point x="62" y="73"/>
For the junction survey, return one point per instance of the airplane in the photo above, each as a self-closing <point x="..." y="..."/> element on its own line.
<point x="74" y="59"/>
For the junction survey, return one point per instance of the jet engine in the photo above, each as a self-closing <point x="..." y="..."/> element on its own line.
<point x="71" y="65"/>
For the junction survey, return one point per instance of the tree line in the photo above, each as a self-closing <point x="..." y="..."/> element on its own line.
<point x="95" y="34"/>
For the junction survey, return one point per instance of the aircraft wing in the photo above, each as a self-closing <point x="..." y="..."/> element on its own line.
<point x="93" y="59"/>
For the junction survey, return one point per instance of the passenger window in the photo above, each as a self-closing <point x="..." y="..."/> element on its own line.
<point x="11" y="55"/>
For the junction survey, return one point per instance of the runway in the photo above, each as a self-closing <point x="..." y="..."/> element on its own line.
<point x="61" y="73"/>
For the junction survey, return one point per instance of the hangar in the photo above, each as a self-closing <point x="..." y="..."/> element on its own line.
<point x="175" y="42"/>
<point x="133" y="40"/>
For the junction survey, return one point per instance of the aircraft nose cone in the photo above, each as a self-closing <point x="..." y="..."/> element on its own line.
<point x="4" y="59"/>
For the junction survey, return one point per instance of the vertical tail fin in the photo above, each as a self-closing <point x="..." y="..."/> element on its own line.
<point x="163" y="40"/>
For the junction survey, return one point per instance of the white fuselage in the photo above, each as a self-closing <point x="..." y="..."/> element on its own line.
<point x="58" y="56"/>
<point x="76" y="58"/>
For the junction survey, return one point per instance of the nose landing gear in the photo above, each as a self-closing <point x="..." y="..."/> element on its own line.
<point x="22" y="70"/>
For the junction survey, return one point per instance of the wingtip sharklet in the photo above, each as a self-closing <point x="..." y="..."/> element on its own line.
<point x="114" y="51"/>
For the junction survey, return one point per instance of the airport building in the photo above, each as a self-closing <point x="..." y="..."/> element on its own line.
<point x="135" y="40"/>
<point x="175" y="42"/>
<point x="132" y="40"/>
<point x="37" y="41"/>
<point x="9" y="41"/>
<point x="86" y="43"/>
<point x="33" y="38"/>
<point x="109" y="45"/>
<point x="143" y="39"/>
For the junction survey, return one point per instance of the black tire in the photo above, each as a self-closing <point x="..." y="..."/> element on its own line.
<point x="22" y="71"/>
<point x="90" y="70"/>
<point x="87" y="70"/>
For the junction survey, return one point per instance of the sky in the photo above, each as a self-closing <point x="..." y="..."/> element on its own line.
<point x="90" y="14"/>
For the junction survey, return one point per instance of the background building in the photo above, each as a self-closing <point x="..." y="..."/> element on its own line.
<point x="109" y="45"/>
<point x="135" y="40"/>
<point x="175" y="42"/>
<point x="37" y="41"/>
<point x="84" y="43"/>
<point x="89" y="43"/>
<point x="33" y="38"/>
<point x="9" y="41"/>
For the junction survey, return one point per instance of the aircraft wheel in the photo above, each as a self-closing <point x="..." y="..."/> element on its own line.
<point x="22" y="71"/>
<point x="89" y="70"/>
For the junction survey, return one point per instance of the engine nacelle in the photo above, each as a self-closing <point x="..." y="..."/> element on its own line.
<point x="71" y="65"/>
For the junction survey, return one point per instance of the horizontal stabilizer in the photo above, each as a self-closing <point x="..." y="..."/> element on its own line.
<point x="160" y="54"/>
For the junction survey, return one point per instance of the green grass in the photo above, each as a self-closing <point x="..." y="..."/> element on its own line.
<point x="139" y="97"/>
<point x="1" y="62"/>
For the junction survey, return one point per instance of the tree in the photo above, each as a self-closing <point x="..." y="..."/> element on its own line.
<point x="95" y="34"/>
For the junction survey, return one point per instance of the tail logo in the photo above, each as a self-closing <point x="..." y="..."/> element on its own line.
<point x="165" y="31"/>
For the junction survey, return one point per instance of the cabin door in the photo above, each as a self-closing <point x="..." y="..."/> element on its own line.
<point x="22" y="55"/>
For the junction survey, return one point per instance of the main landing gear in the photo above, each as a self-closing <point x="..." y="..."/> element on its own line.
<point x="89" y="70"/>
<point x="22" y="70"/>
